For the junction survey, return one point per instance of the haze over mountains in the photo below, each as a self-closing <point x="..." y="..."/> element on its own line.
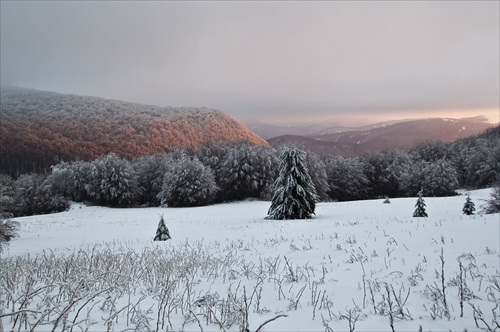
<point x="402" y="134"/>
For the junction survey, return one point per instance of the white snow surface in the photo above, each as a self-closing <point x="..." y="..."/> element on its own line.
<point x="344" y="249"/>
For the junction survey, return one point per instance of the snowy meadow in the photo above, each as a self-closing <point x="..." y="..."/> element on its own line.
<point x="356" y="266"/>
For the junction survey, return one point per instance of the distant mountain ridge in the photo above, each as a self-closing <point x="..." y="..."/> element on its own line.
<point x="44" y="127"/>
<point x="400" y="135"/>
<point x="268" y="131"/>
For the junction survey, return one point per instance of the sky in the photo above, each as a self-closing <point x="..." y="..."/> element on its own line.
<point x="349" y="62"/>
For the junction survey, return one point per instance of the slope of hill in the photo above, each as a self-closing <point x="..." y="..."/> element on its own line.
<point x="39" y="128"/>
<point x="401" y="135"/>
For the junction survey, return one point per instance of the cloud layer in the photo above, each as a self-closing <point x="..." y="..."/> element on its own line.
<point x="261" y="59"/>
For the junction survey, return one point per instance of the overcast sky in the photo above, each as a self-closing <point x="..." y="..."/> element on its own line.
<point x="269" y="61"/>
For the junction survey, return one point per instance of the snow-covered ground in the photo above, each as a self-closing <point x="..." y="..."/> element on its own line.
<point x="355" y="266"/>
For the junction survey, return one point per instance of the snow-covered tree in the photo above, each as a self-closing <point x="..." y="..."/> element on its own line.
<point x="469" y="207"/>
<point x="113" y="182"/>
<point x="33" y="196"/>
<point x="493" y="204"/>
<point x="245" y="172"/>
<point x="346" y="179"/>
<point x="317" y="170"/>
<point x="440" y="178"/>
<point x="150" y="171"/>
<point x="430" y="151"/>
<point x="62" y="180"/>
<point x="411" y="178"/>
<point x="377" y="169"/>
<point x="294" y="193"/>
<point x="8" y="228"/>
<point x="420" y="206"/>
<point x="162" y="233"/>
<point x="187" y="182"/>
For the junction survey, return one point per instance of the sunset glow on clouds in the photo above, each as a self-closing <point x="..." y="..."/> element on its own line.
<point x="269" y="61"/>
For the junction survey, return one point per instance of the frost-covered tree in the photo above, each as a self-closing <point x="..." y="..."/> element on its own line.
<point x="430" y="151"/>
<point x="317" y="170"/>
<point x="8" y="228"/>
<point x="245" y="171"/>
<point x="33" y="196"/>
<point x="294" y="193"/>
<point x="83" y="180"/>
<point x="346" y="179"/>
<point x="411" y="178"/>
<point x="187" y="182"/>
<point x="469" y="207"/>
<point x="489" y="170"/>
<point x="420" y="206"/>
<point x="113" y="182"/>
<point x="440" y="178"/>
<point x="382" y="180"/>
<point x="162" y="233"/>
<point x="62" y="180"/>
<point x="493" y="204"/>
<point x="150" y="171"/>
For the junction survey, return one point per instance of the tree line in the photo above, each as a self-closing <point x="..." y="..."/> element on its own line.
<point x="216" y="173"/>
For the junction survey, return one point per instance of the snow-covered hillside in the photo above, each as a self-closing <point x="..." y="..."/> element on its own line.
<point x="362" y="265"/>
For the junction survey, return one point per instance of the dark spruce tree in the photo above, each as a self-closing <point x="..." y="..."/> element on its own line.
<point x="469" y="207"/>
<point x="420" y="206"/>
<point x="162" y="233"/>
<point x="294" y="192"/>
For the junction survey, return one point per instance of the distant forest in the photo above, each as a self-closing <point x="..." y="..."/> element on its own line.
<point x="39" y="129"/>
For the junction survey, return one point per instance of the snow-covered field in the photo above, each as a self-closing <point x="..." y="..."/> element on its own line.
<point x="363" y="266"/>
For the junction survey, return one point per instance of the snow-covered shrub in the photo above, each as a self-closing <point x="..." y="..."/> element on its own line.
<point x="420" y="206"/>
<point x="294" y="193"/>
<point x="187" y="182"/>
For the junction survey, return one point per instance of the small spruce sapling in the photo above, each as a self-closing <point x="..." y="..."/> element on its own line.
<point x="162" y="233"/>
<point x="469" y="206"/>
<point x="420" y="206"/>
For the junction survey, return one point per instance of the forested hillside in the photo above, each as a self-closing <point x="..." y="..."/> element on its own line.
<point x="38" y="129"/>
